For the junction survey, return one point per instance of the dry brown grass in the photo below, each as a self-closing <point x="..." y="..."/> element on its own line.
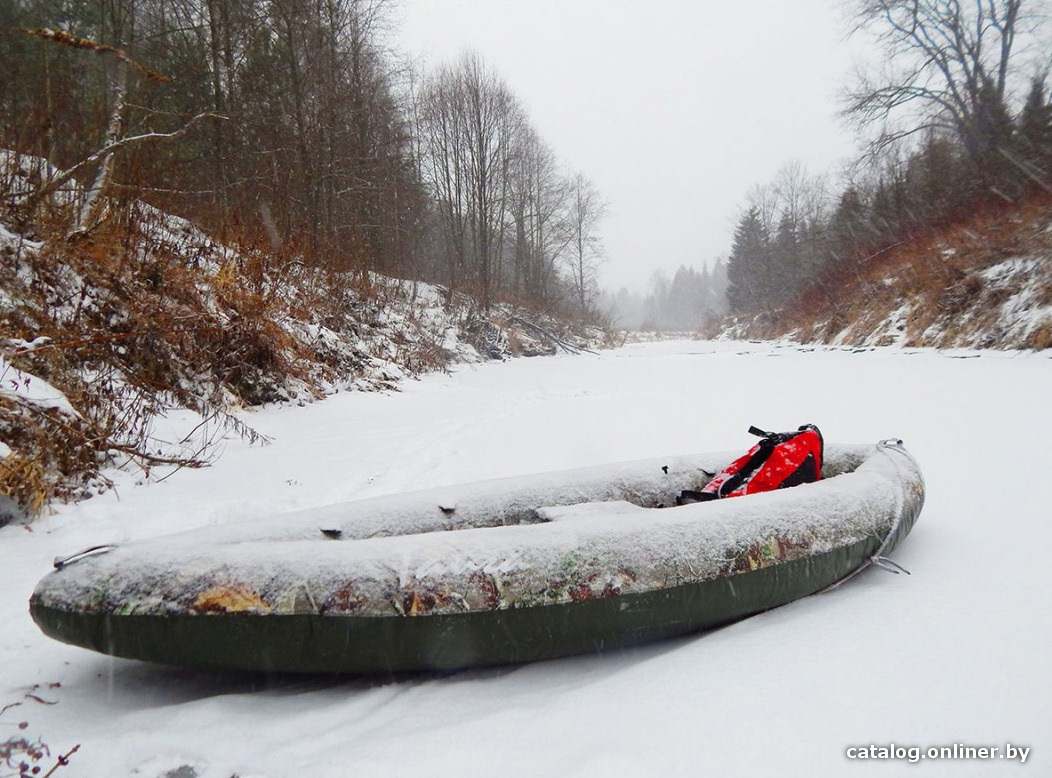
<point x="1040" y="338"/>
<point x="939" y="271"/>
<point x="136" y="324"/>
<point x="23" y="480"/>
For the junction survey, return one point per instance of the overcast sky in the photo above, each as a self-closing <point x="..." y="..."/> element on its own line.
<point x="674" y="109"/>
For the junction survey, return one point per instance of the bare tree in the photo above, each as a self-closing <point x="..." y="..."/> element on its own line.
<point x="587" y="209"/>
<point x="947" y="68"/>
<point x="538" y="203"/>
<point x="444" y="162"/>
<point x="469" y="120"/>
<point x="798" y="195"/>
<point x="492" y="117"/>
<point x="765" y="200"/>
<point x="329" y="150"/>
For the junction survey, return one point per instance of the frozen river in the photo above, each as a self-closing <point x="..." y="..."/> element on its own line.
<point x="955" y="653"/>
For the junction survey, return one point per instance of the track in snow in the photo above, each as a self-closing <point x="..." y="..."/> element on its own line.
<point x="955" y="653"/>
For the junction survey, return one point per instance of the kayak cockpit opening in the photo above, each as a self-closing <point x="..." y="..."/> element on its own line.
<point x="615" y="496"/>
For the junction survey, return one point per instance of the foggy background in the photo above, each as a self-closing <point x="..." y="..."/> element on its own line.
<point x="674" y="109"/>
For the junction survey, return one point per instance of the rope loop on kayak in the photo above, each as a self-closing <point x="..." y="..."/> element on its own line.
<point x="878" y="559"/>
<point x="884" y="563"/>
<point x="61" y="562"/>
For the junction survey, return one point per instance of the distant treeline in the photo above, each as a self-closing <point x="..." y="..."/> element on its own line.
<point x="294" y="124"/>
<point x="957" y="118"/>
<point x="688" y="301"/>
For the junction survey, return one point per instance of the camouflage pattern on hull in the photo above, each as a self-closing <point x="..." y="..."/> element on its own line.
<point x="305" y="602"/>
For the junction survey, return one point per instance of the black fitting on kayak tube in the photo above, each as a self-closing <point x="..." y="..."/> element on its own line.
<point x="61" y="562"/>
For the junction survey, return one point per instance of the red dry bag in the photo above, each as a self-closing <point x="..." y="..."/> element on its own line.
<point x="779" y="460"/>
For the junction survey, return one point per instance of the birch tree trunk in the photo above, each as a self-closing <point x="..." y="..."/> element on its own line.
<point x="92" y="195"/>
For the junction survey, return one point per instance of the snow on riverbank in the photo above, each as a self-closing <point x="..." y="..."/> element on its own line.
<point x="954" y="653"/>
<point x="985" y="283"/>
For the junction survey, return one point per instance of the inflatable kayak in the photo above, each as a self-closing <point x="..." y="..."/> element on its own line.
<point x="501" y="571"/>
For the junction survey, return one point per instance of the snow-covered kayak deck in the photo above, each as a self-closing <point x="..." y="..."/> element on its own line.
<point x="507" y="570"/>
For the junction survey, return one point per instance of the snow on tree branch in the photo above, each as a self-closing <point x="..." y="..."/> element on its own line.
<point x="85" y="44"/>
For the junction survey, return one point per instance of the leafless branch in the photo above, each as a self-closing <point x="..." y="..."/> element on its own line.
<point x="85" y="44"/>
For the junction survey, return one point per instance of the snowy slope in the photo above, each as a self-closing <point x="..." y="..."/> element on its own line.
<point x="986" y="283"/>
<point x="168" y="317"/>
<point x="955" y="653"/>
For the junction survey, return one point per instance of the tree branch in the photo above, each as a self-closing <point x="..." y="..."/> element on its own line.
<point x="86" y="44"/>
<point x="110" y="148"/>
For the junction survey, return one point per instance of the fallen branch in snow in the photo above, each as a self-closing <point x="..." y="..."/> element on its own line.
<point x="21" y="346"/>
<point x="24" y="755"/>
<point x="8" y="707"/>
<point x="151" y="460"/>
<point x="63" y="760"/>
<point x="228" y="422"/>
<point x="568" y="347"/>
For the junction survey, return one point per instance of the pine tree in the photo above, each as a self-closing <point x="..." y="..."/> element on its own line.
<point x="881" y="211"/>
<point x="1034" y="135"/>
<point x="849" y="229"/>
<point x="994" y="132"/>
<point x="748" y="281"/>
<point x="937" y="178"/>
<point x="785" y="267"/>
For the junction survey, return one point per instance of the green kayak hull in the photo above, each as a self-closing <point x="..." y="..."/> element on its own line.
<point x="313" y="643"/>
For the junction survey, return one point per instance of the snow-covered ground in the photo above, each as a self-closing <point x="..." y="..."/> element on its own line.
<point x="955" y="653"/>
